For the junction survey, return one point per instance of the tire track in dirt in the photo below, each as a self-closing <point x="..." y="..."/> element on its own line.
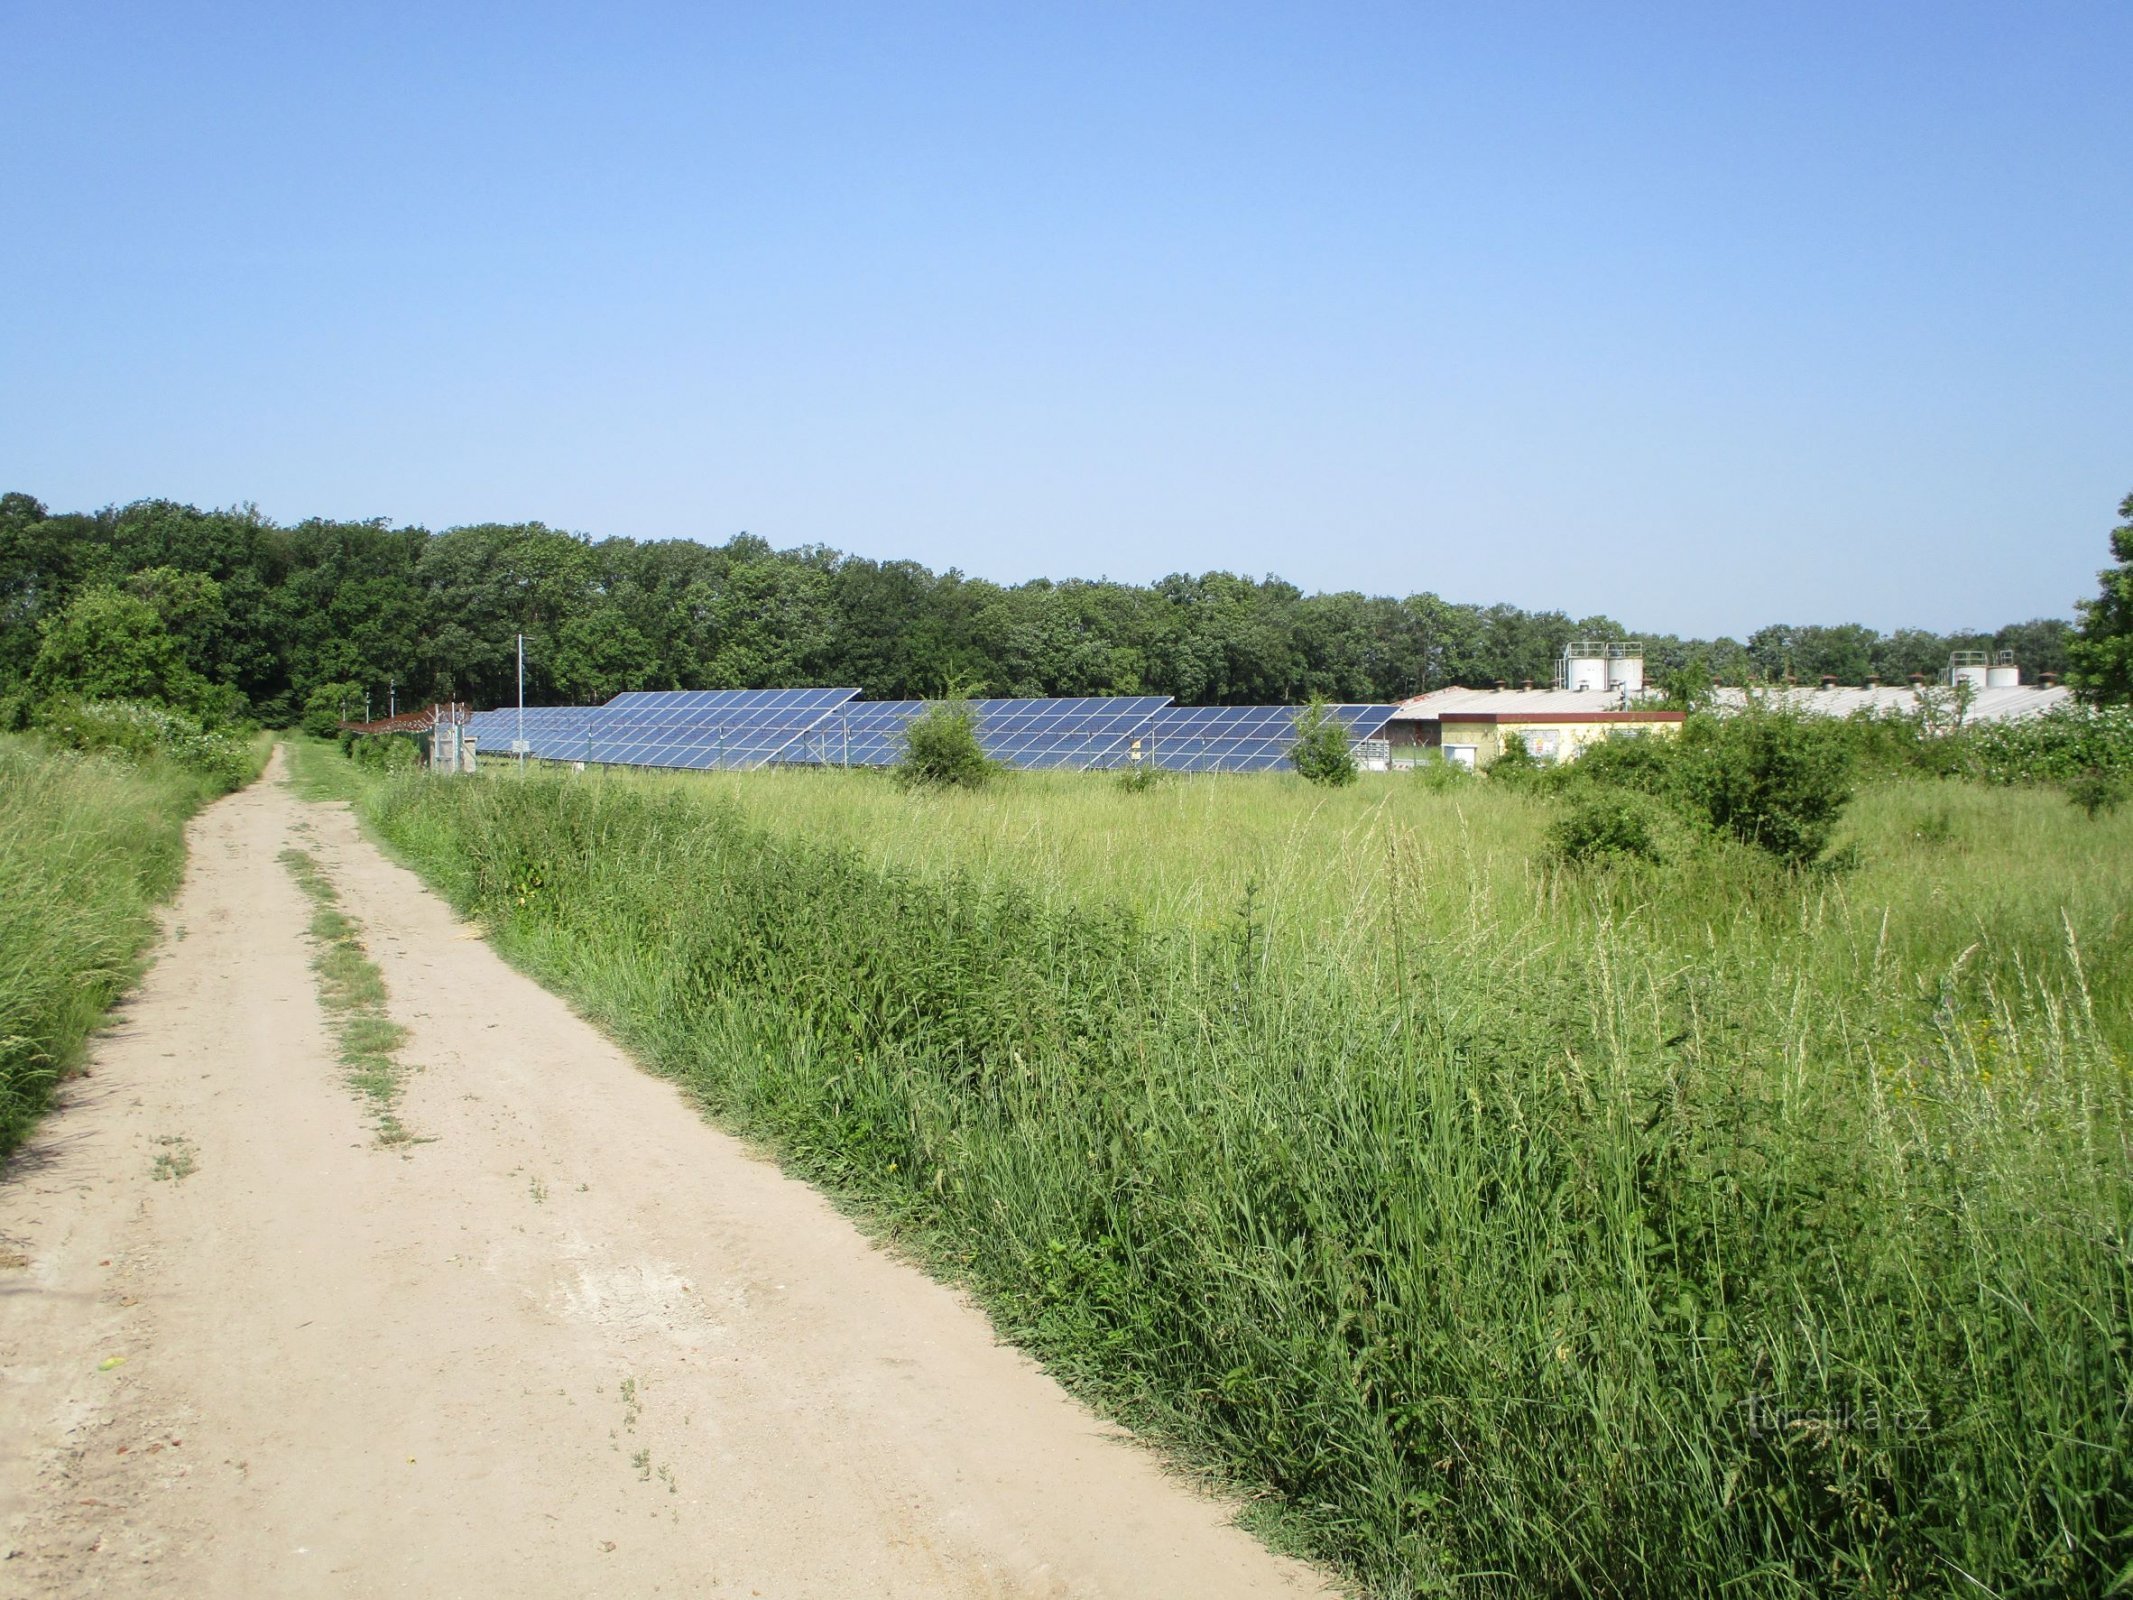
<point x="579" y="1343"/>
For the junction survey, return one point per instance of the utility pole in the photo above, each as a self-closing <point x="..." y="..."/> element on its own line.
<point x="519" y="744"/>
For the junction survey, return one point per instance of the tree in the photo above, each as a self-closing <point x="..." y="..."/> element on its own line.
<point x="598" y="655"/>
<point x="329" y="705"/>
<point x="2101" y="658"/>
<point x="1321" y="751"/>
<point x="108" y="645"/>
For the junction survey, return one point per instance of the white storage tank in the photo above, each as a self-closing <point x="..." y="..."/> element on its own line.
<point x="2003" y="673"/>
<point x="1969" y="666"/>
<point x="1625" y="669"/>
<point x="1584" y="666"/>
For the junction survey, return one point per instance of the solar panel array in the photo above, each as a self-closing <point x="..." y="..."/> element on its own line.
<point x="1242" y="738"/>
<point x="738" y="729"/>
<point x="1025" y="734"/>
<point x="553" y="733"/>
<point x="727" y="730"/>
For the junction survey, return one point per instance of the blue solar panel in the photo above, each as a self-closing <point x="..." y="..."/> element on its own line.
<point x="1094" y="732"/>
<point x="721" y="702"/>
<point x="554" y="733"/>
<point x="744" y="728"/>
<point x="1243" y="738"/>
<point x="703" y="729"/>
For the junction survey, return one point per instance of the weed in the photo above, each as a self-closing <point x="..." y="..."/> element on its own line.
<point x="175" y="1160"/>
<point x="352" y="991"/>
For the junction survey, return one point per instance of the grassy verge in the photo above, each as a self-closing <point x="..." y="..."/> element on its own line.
<point x="1703" y="1230"/>
<point x="90" y="843"/>
<point x="352" y="989"/>
<point x="318" y="771"/>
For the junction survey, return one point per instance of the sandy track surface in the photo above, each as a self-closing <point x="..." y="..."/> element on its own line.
<point x="577" y="1343"/>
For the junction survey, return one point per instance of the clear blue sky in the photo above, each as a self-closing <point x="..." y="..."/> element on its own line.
<point x="1703" y="316"/>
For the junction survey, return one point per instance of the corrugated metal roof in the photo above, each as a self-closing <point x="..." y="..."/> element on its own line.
<point x="1517" y="703"/>
<point x="1986" y="705"/>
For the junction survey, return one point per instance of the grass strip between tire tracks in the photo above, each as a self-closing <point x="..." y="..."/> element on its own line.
<point x="352" y="990"/>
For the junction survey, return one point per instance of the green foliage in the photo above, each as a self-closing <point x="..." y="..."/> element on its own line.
<point x="328" y="706"/>
<point x="109" y="645"/>
<point x="1774" y="779"/>
<point x="2102" y="657"/>
<point x="1321" y="751"/>
<point x="1727" y="1231"/>
<point x="385" y="752"/>
<point x="140" y="732"/>
<point x="2097" y="791"/>
<point x="1140" y="777"/>
<point x="1515" y="766"/>
<point x="941" y="750"/>
<point x="1627" y="761"/>
<point x="91" y="837"/>
<point x="1606" y="827"/>
<point x="264" y="615"/>
<point x="2053" y="748"/>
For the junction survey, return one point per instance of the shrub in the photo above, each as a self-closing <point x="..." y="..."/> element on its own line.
<point x="1434" y="773"/>
<point x="2097" y="791"/>
<point x="1774" y="779"/>
<point x="1606" y="827"/>
<point x="941" y="750"/>
<point x="1516" y="766"/>
<point x="136" y="731"/>
<point x="386" y="752"/>
<point x="1321" y="751"/>
<point x="1646" y="765"/>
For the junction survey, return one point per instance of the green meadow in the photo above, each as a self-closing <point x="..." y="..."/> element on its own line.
<point x="1499" y="1227"/>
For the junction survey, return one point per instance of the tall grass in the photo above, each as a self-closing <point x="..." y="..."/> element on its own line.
<point x="89" y="843"/>
<point x="1699" y="1230"/>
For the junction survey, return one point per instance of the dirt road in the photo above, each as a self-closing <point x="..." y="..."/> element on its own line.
<point x="576" y="1343"/>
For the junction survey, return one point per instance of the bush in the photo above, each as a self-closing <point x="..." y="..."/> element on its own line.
<point x="1321" y="751"/>
<point x="1622" y="761"/>
<point x="2097" y="791"/>
<point x="136" y="731"/>
<point x="384" y="752"/>
<point x="941" y="750"/>
<point x="1598" y="829"/>
<point x="1774" y="779"/>
<point x="1516" y="766"/>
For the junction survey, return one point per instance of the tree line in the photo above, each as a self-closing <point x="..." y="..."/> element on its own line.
<point x="237" y="615"/>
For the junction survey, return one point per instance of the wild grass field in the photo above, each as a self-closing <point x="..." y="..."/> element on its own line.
<point x="1709" y="1228"/>
<point x="92" y="821"/>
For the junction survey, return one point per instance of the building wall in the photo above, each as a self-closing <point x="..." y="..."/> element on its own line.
<point x="1547" y="741"/>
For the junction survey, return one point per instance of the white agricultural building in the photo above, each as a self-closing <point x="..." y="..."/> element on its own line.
<point x="1600" y="693"/>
